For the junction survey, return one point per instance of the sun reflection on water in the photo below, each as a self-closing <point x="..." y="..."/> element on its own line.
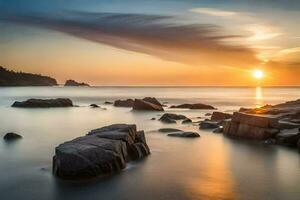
<point x="258" y="97"/>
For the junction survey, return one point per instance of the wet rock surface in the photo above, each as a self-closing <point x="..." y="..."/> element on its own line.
<point x="11" y="136"/>
<point x="185" y="134"/>
<point x="194" y="106"/>
<point x="209" y="125"/>
<point x="124" y="103"/>
<point x="102" y="151"/>
<point x="169" y="130"/>
<point x="219" y="116"/>
<point x="140" y="104"/>
<point x="171" y="118"/>
<point x="43" y="103"/>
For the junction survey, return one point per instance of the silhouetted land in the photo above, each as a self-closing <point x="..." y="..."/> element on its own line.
<point x="11" y="78"/>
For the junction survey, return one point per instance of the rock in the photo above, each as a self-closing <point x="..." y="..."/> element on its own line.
<point x="43" y="103"/>
<point x="251" y="126"/>
<point x="208" y="125"/>
<point x="75" y="83"/>
<point x="101" y="151"/>
<point x="298" y="145"/>
<point x="94" y="106"/>
<point x="288" y="137"/>
<point x="187" y="121"/>
<point x="152" y="100"/>
<point x="140" y="104"/>
<point x="185" y="134"/>
<point x="153" y="118"/>
<point x="220" y="116"/>
<point x="108" y="102"/>
<point x="124" y="103"/>
<point x="207" y="114"/>
<point x="11" y="136"/>
<point x="169" y="130"/>
<point x="11" y="78"/>
<point x="194" y="106"/>
<point x="286" y="125"/>
<point x="218" y="130"/>
<point x="171" y="118"/>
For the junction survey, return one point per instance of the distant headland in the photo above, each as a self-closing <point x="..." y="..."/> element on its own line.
<point x="12" y="78"/>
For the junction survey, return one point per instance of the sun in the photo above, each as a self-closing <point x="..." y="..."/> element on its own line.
<point x="258" y="74"/>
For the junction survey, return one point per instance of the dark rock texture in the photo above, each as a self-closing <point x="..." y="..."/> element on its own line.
<point x="251" y="126"/>
<point x="169" y="130"/>
<point x="288" y="137"/>
<point x="124" y="103"/>
<point x="102" y="151"/>
<point x="171" y="118"/>
<point x="108" y="103"/>
<point x="75" y="83"/>
<point x="187" y="121"/>
<point x="220" y="116"/>
<point x="11" y="136"/>
<point x="94" y="106"/>
<point x="152" y="100"/>
<point x="140" y="104"/>
<point x="194" y="106"/>
<point x="185" y="134"/>
<point x="11" y="78"/>
<point x="208" y="125"/>
<point x="44" y="103"/>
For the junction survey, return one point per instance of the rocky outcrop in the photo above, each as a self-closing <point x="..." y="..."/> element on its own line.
<point x="43" y="103"/>
<point x="124" y="103"/>
<point x="251" y="126"/>
<point x="11" y="136"/>
<point x="140" y="104"/>
<point x="288" y="137"/>
<point x="194" y="106"/>
<point x="75" y="83"/>
<point x="11" y="78"/>
<point x="220" y="116"/>
<point x="185" y="134"/>
<point x="171" y="118"/>
<point x="187" y="121"/>
<point x="102" y="151"/>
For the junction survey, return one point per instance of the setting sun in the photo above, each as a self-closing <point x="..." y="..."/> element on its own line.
<point x="258" y="74"/>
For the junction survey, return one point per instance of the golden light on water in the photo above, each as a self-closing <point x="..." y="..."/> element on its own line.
<point x="258" y="74"/>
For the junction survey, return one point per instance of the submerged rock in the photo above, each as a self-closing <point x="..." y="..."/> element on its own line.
<point x="185" y="134"/>
<point x="169" y="130"/>
<point x="94" y="106"/>
<point x="11" y="136"/>
<point x="194" y="106"/>
<point x="101" y="151"/>
<point x="43" y="103"/>
<point x="208" y="125"/>
<point x="140" y="104"/>
<point x="124" y="103"/>
<point x="187" y="121"/>
<point x="108" y="102"/>
<point x="218" y="130"/>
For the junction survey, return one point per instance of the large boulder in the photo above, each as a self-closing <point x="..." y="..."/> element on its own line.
<point x="171" y="118"/>
<point x="11" y="136"/>
<point x="220" y="116"/>
<point x="43" y="103"/>
<point x="194" y="106"/>
<point x="124" y="103"/>
<point x="140" y="104"/>
<point x="251" y="126"/>
<point x="185" y="134"/>
<point x="101" y="151"/>
<point x="152" y="100"/>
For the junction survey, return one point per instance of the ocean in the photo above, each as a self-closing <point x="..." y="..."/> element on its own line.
<point x="210" y="167"/>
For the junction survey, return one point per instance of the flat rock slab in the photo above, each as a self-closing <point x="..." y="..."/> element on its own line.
<point x="102" y="151"/>
<point x="185" y="134"/>
<point x="194" y="106"/>
<point x="169" y="130"/>
<point x="44" y="103"/>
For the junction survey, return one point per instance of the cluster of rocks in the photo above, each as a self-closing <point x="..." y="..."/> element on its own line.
<point x="147" y="103"/>
<point x="43" y="103"/>
<point x="102" y="151"/>
<point x="173" y="132"/>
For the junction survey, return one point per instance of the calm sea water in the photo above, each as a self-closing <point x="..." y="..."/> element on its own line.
<point x="211" y="167"/>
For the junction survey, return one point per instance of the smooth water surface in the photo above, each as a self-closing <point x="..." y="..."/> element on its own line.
<point x="210" y="167"/>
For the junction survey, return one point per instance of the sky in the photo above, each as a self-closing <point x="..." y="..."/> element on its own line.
<point x="154" y="42"/>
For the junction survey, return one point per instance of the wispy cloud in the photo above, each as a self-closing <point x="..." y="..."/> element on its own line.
<point x="214" y="12"/>
<point x="156" y="35"/>
<point x="262" y="32"/>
